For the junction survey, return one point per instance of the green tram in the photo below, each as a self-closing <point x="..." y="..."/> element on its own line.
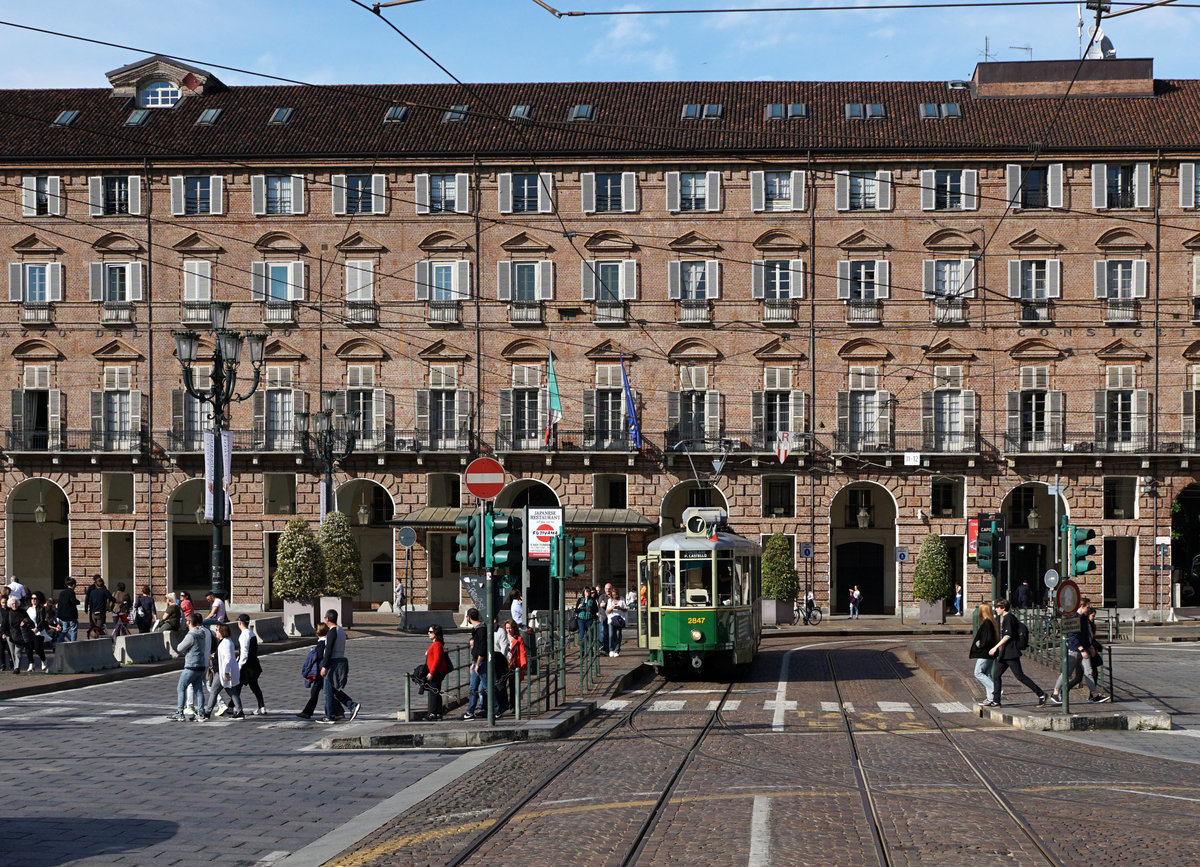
<point x="698" y="596"/>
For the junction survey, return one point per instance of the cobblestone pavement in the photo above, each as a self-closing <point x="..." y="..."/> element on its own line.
<point x="99" y="775"/>
<point x="781" y="781"/>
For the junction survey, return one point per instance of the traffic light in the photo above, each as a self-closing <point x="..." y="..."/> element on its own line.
<point x="556" y="552"/>
<point x="985" y="550"/>
<point x="573" y="556"/>
<point x="469" y="541"/>
<point x="1079" y="549"/>
<point x="504" y="541"/>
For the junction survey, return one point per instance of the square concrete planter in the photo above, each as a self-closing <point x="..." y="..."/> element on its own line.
<point x="776" y="612"/>
<point x="343" y="605"/>
<point x="933" y="612"/>
<point x="292" y="607"/>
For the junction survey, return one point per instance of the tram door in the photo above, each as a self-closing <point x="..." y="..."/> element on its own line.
<point x="649" y="608"/>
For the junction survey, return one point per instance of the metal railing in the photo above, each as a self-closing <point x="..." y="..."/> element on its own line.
<point x="864" y="312"/>
<point x="1122" y="310"/>
<point x="523" y="440"/>
<point x="591" y="439"/>
<point x="443" y="313"/>
<point x="525" y="313"/>
<point x="949" y="311"/>
<point x="195" y="312"/>
<point x="361" y="313"/>
<point x="279" y="313"/>
<point x="608" y="313"/>
<point x="1048" y="643"/>
<point x="694" y="311"/>
<point x="75" y="441"/>
<point x="36" y="313"/>
<point x="1037" y="310"/>
<point x="117" y="313"/>
<point x="778" y="310"/>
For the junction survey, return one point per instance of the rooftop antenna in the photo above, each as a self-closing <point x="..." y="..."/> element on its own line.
<point x="987" y="52"/>
<point x="1028" y="48"/>
<point x="1079" y="27"/>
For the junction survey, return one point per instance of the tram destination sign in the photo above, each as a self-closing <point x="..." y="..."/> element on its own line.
<point x="694" y="555"/>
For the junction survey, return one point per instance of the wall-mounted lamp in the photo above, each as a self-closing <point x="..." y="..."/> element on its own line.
<point x="863" y="517"/>
<point x="39" y="511"/>
<point x="1033" y="520"/>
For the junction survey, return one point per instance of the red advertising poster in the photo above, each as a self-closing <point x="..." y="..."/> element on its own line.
<point x="972" y="538"/>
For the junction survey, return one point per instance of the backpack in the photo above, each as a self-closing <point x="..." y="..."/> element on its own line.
<point x="312" y="665"/>
<point x="1022" y="635"/>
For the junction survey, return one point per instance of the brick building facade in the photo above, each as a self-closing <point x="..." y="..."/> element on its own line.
<point x="951" y="297"/>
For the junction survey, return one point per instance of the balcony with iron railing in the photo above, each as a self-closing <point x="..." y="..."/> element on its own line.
<point x="1037" y="310"/>
<point x="882" y="441"/>
<point x="861" y="311"/>
<point x="434" y="440"/>
<point x="525" y="313"/>
<point x="778" y="311"/>
<point x="360" y="313"/>
<point x="527" y="439"/>
<point x="184" y="439"/>
<point x="116" y="313"/>
<point x="694" y="311"/>
<point x="591" y="439"/>
<point x="763" y="440"/>
<point x="443" y="313"/>
<point x="1052" y="437"/>
<point x="36" y="313"/>
<point x="1122" y="311"/>
<point x="279" y="313"/>
<point x="949" y="311"/>
<point x="608" y="312"/>
<point x="126" y="442"/>
<point x="195" y="313"/>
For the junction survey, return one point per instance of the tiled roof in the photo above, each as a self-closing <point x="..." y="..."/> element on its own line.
<point x="631" y="118"/>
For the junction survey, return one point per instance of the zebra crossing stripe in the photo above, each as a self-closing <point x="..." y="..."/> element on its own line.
<point x="895" y="706"/>
<point x="615" y="704"/>
<point x="668" y="705"/>
<point x="951" y="707"/>
<point x="732" y="704"/>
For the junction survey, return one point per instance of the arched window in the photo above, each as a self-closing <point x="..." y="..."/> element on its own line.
<point x="158" y="94"/>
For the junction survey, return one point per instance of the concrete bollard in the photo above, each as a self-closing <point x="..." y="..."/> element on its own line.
<point x="302" y="625"/>
<point x="143" y="647"/>
<point x="76" y="657"/>
<point x="269" y="629"/>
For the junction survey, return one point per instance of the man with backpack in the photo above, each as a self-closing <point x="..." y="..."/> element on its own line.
<point x="1014" y="637"/>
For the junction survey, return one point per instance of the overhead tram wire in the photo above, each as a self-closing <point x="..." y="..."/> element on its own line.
<point x="871" y="7"/>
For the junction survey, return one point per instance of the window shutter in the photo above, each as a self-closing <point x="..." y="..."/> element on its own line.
<point x="54" y="197"/>
<point x="757" y="401"/>
<point x="133" y="274"/>
<point x="1139" y="278"/>
<point x="462" y="413"/>
<point x="258" y="281"/>
<point x="96" y="196"/>
<point x="462" y="193"/>
<point x="843" y="417"/>
<point x="758" y="278"/>
<point x="1196" y="275"/>
<point x="177" y="196"/>
<point x="587" y="280"/>
<point x="799" y="419"/>
<point x="927" y="438"/>
<point x="712" y="278"/>
<point x="378" y="194"/>
<point x="54" y="409"/>
<point x="1099" y="185"/>
<point x="796" y="266"/>
<point x="589" y="416"/>
<point x="503" y="192"/>
<point x="673" y="280"/>
<point x="966" y="268"/>
<point x="28" y="196"/>
<point x="421" y="280"/>
<point x="258" y="195"/>
<point x="1187" y="185"/>
<point x="388" y="402"/>
<point x="841" y="190"/>
<point x="545" y="280"/>
<point x="15" y="272"/>
<point x="462" y="279"/>
<point x="1053" y="278"/>
<point x="628" y="290"/>
<point x="799" y="179"/>
<point x="629" y="202"/>
<point x="712" y="193"/>
<point x="883" y="280"/>
<point x="135" y="418"/>
<point x="504" y="280"/>
<point x="1100" y="278"/>
<point x="298" y="194"/>
<point x="258" y="414"/>
<point x="758" y="191"/>
<point x="1141" y="185"/>
<point x="135" y="194"/>
<point x="421" y="192"/>
<point x="216" y="194"/>
<point x="422" y="418"/>
<point x="97" y="408"/>
<point x="587" y="192"/>
<point x="1012" y="179"/>
<point x="337" y="187"/>
<point x="929" y="279"/>
<point x="968" y="418"/>
<point x="928" y="190"/>
<point x="296" y="281"/>
<point x="354" y="281"/>
<point x="1187" y="419"/>
<point x="17" y="402"/>
<point x="672" y="413"/>
<point x="970" y="190"/>
<point x="1141" y="418"/>
<point x="1099" y="415"/>
<point x="1055" y="408"/>
<point x="843" y="280"/>
<point x="545" y="193"/>
<point x="177" y="411"/>
<point x="1014" y="278"/>
<point x="96" y="281"/>
<point x="504" y="407"/>
<point x="883" y="191"/>
<point x="1054" y="180"/>
<point x="884" y="417"/>
<point x="55" y="280"/>
<point x="712" y="415"/>
<point x="1014" y="418"/>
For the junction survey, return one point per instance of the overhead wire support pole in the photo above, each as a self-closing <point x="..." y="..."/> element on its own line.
<point x="1127" y="11"/>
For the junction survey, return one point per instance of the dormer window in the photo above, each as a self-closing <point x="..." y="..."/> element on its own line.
<point x="582" y="111"/>
<point x="281" y="116"/>
<point x="66" y="118"/>
<point x="521" y="112"/>
<point x="137" y="117"/>
<point x="158" y="94"/>
<point x="395" y="114"/>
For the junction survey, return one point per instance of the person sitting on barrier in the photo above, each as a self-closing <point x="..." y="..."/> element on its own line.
<point x="171" y="616"/>
<point x="216" y="614"/>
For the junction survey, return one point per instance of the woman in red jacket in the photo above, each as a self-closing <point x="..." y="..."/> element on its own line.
<point x="438" y="664"/>
<point x="517" y="661"/>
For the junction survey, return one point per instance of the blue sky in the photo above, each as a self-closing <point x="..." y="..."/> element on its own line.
<point x="334" y="41"/>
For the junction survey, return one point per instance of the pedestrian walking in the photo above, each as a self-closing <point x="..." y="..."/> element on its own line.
<point x="480" y="654"/>
<point x="33" y="631"/>
<point x="122" y="602"/>
<point x="1024" y="595"/>
<point x="501" y="645"/>
<point x="517" y="660"/>
<point x="616" y="610"/>
<point x="958" y="599"/>
<point x="586" y="612"/>
<point x="226" y="677"/>
<point x="1007" y="653"/>
<point x="10" y="631"/>
<point x="248" y="664"/>
<point x="195" y="649"/>
<point x="97" y="602"/>
<point x="335" y="668"/>
<point x="311" y="672"/>
<point x="144" y="610"/>
<point x="986" y="636"/>
<point x="1096" y="659"/>
<point x="68" y="611"/>
<point x="437" y="666"/>
<point x="1079" y="652"/>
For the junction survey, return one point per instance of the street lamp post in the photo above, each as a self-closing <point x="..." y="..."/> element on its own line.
<point x="219" y="394"/>
<point x="329" y="439"/>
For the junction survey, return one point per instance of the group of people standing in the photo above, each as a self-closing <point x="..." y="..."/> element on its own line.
<point x="608" y="611"/>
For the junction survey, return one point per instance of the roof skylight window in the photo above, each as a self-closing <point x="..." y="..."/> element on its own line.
<point x="797" y="110"/>
<point x="137" y="117"/>
<point x="66" y="118"/>
<point x="875" y="109"/>
<point x="456" y="113"/>
<point x="934" y="110"/>
<point x="714" y="111"/>
<point x="691" y="111"/>
<point x="582" y="111"/>
<point x="521" y="112"/>
<point x="855" y="111"/>
<point x="773" y="111"/>
<point x="281" y="116"/>
<point x="396" y="114"/>
<point x="208" y="117"/>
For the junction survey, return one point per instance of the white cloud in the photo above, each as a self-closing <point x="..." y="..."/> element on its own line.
<point x="634" y="41"/>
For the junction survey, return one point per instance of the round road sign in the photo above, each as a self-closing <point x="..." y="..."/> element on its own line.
<point x="1051" y="579"/>
<point x="484" y="478"/>
<point x="1067" y="597"/>
<point x="407" y="537"/>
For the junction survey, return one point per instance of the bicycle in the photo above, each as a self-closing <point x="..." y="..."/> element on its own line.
<point x="96" y="630"/>
<point x="802" y="614"/>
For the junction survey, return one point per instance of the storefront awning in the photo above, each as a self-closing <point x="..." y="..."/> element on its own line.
<point x="580" y="519"/>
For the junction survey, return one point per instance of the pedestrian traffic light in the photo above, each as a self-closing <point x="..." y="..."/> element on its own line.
<point x="985" y="550"/>
<point x="1079" y="550"/>
<point x="504" y="545"/>
<point x="573" y="556"/>
<point x="469" y="541"/>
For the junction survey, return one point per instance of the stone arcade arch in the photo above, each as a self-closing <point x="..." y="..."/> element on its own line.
<point x="189" y="542"/>
<point x="370" y="508"/>
<point x="39" y="552"/>
<point x="862" y="545"/>
<point x="683" y="495"/>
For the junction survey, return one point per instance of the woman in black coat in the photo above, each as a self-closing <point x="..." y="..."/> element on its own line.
<point x="33" y="629"/>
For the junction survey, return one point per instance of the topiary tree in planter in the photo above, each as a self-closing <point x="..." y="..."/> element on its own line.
<point x="780" y="584"/>
<point x="933" y="579"/>
<point x="299" y="571"/>
<point x="343" y="566"/>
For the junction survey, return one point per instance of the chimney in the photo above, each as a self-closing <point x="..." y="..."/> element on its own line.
<point x="1050" y="78"/>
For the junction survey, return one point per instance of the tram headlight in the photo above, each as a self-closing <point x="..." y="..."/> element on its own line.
<point x="697" y="635"/>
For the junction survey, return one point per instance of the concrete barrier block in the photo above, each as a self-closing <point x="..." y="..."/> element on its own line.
<point x="301" y="624"/>
<point x="420" y="621"/>
<point x="269" y="629"/>
<point x="144" y="647"/>
<point x="76" y="657"/>
<point x="173" y="639"/>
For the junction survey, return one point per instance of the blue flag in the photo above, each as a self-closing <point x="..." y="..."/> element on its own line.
<point x="635" y="429"/>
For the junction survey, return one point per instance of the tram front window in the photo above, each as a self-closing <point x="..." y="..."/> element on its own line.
<point x="697" y="583"/>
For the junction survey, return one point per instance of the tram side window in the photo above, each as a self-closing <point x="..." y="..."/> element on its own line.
<point x="668" y="586"/>
<point x="649" y="582"/>
<point x="741" y="581"/>
<point x="725" y="583"/>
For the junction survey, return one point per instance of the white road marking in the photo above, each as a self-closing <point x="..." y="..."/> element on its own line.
<point x="781" y="688"/>
<point x="1157" y="795"/>
<point x="781" y="706"/>
<point x="668" y="704"/>
<point x="760" y="832"/>
<point x="950" y="707"/>
<point x="615" y="704"/>
<point x="271" y="857"/>
<point x="895" y="706"/>
<point x="830" y="707"/>
<point x="732" y="704"/>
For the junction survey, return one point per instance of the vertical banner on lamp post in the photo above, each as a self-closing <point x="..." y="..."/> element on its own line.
<point x="210" y="475"/>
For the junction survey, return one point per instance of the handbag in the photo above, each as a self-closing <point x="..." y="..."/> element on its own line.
<point x="618" y="621"/>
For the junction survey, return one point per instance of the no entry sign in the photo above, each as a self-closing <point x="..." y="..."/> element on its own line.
<point x="484" y="478"/>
